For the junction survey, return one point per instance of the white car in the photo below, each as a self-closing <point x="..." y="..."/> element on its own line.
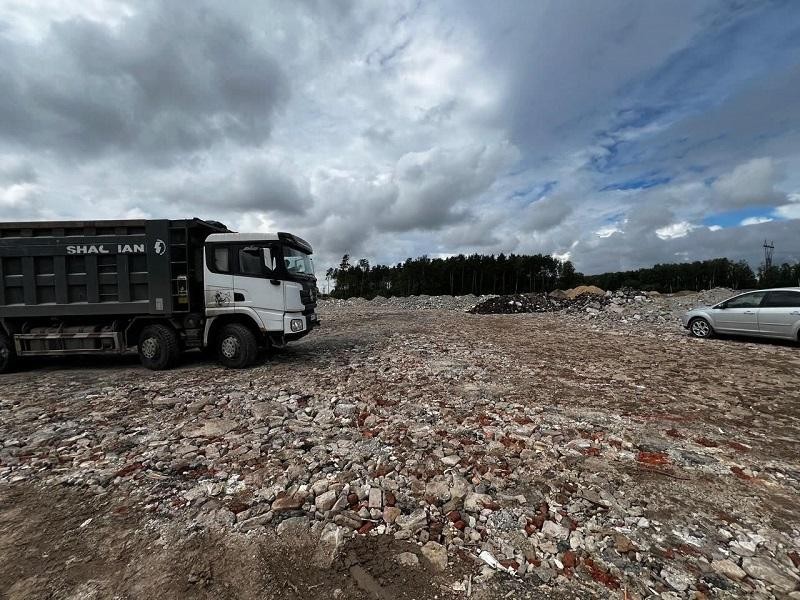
<point x="773" y="313"/>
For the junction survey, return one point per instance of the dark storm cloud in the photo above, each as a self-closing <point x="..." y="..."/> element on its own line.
<point x="174" y="77"/>
<point x="547" y="213"/>
<point x="568" y="60"/>
<point x="257" y="186"/>
<point x="433" y="186"/>
<point x="264" y="190"/>
<point x="14" y="171"/>
<point x="758" y="119"/>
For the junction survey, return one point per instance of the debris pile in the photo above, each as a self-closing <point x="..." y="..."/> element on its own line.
<point x="420" y="302"/>
<point x="628" y="307"/>
<point x="424" y="302"/>
<point x="624" y="308"/>
<point x="581" y="299"/>
<point x="593" y="303"/>
<point x="517" y="303"/>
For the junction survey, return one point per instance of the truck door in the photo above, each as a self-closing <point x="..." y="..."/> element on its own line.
<point x="218" y="279"/>
<point x="256" y="286"/>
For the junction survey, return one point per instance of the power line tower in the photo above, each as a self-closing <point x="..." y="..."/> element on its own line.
<point x="769" y="248"/>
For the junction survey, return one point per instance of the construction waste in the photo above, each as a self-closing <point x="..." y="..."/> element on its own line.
<point x="517" y="303"/>
<point x="582" y="298"/>
<point x="626" y="306"/>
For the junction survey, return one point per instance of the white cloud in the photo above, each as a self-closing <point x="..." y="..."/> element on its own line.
<point x="561" y="256"/>
<point x="714" y="227"/>
<point x="755" y="221"/>
<point x="788" y="211"/>
<point x="19" y="195"/>
<point x="675" y="230"/>
<point x="608" y="231"/>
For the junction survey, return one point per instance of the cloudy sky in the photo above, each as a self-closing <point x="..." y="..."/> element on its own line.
<point x="617" y="133"/>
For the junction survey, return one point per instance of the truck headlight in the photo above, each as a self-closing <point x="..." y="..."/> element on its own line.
<point x="296" y="325"/>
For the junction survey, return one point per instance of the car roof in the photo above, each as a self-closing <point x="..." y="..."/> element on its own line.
<point x="780" y="289"/>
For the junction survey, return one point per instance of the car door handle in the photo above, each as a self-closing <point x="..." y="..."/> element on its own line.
<point x="749" y="312"/>
<point x="275" y="281"/>
<point x="795" y="312"/>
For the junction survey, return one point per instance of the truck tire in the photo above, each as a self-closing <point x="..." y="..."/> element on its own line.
<point x="159" y="347"/>
<point x="8" y="355"/>
<point x="237" y="346"/>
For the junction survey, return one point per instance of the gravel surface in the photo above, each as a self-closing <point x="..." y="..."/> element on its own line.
<point x="402" y="453"/>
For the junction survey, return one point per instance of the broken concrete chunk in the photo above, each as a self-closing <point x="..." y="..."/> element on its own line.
<point x="436" y="554"/>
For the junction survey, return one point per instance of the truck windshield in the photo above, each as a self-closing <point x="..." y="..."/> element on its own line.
<point x="297" y="263"/>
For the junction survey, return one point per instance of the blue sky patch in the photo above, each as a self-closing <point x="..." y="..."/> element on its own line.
<point x="637" y="183"/>
<point x="534" y="192"/>
<point x="734" y="218"/>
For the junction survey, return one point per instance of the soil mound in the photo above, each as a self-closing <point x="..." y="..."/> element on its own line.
<point x="584" y="289"/>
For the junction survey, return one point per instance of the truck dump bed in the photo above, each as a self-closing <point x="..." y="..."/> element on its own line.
<point x="83" y="268"/>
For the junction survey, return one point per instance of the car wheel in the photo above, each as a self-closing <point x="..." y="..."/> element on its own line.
<point x="159" y="347"/>
<point x="8" y="355"/>
<point x="237" y="346"/>
<point x="700" y="328"/>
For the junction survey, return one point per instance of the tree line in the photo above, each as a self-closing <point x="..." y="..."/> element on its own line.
<point x="455" y="275"/>
<point x="507" y="274"/>
<point x="698" y="275"/>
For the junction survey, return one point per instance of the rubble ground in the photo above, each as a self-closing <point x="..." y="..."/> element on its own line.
<point x="578" y="455"/>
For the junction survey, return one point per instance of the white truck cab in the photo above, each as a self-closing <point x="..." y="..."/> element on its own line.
<point x="263" y="279"/>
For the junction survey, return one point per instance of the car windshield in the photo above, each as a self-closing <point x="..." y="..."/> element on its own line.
<point x="297" y="262"/>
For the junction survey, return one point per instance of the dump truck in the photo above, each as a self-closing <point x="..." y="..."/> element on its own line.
<point x="157" y="287"/>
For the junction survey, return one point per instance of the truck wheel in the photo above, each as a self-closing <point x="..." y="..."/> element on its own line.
<point x="8" y="355"/>
<point x="237" y="346"/>
<point x="159" y="347"/>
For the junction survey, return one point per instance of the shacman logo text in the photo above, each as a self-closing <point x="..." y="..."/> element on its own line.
<point x="107" y="249"/>
<point x="159" y="247"/>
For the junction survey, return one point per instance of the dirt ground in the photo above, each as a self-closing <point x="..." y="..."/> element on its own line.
<point x="670" y="402"/>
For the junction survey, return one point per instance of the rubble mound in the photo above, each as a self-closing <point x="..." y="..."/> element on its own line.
<point x="587" y="302"/>
<point x="517" y="303"/>
<point x="421" y="302"/>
